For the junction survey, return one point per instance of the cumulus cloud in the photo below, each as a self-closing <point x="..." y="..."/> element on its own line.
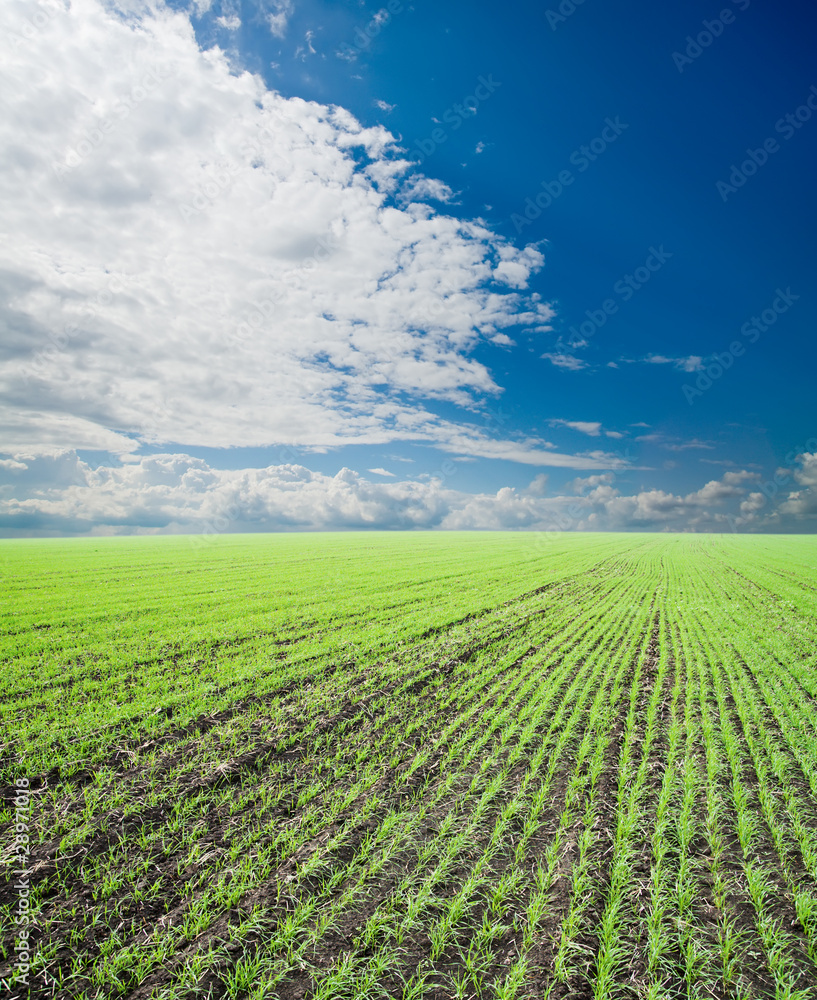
<point x="692" y="363"/>
<point x="279" y="17"/>
<point x="802" y="503"/>
<point x="527" y="451"/>
<point x="673" y="444"/>
<point x="190" y="257"/>
<point x="688" y="445"/>
<point x="176" y="493"/>
<point x="592" y="428"/>
<point x="565" y="361"/>
<point x="587" y="484"/>
<point x="421" y="188"/>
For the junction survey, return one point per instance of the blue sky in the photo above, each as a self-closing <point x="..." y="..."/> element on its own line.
<point x="548" y="267"/>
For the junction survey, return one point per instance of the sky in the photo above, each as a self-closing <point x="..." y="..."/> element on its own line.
<point x="307" y="265"/>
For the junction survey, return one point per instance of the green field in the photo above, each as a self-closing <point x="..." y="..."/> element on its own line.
<point x="412" y="765"/>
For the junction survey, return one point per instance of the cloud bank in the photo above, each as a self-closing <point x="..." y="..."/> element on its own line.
<point x="190" y="257"/>
<point x="176" y="493"/>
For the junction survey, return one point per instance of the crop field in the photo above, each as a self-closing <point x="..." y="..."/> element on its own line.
<point x="409" y="765"/>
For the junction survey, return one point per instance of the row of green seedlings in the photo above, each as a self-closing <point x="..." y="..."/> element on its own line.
<point x="44" y="743"/>
<point x="160" y="794"/>
<point x="781" y="679"/>
<point x="498" y="724"/>
<point x="228" y="675"/>
<point x="85" y="748"/>
<point x="573" y="962"/>
<point x="678" y="950"/>
<point x="111" y="789"/>
<point x="662" y="932"/>
<point x="283" y="840"/>
<point x="101" y="794"/>
<point x="788" y="631"/>
<point x="111" y="798"/>
<point x="785" y="676"/>
<point x="401" y="914"/>
<point x="725" y="739"/>
<point x="708" y="964"/>
<point x="619" y="932"/>
<point x="581" y="787"/>
<point x="373" y="854"/>
<point x="782" y="808"/>
<point x="679" y="947"/>
<point x="526" y="809"/>
<point x="367" y="869"/>
<point x="284" y="843"/>
<point x="769" y="693"/>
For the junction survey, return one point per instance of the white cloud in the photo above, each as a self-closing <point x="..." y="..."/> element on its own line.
<point x="740" y="477"/>
<point x="589" y="427"/>
<point x="279" y="18"/>
<point x="308" y="49"/>
<point x="592" y="428"/>
<point x="693" y="363"/>
<point x="672" y="444"/>
<point x="175" y="492"/>
<point x="196" y="259"/>
<point x="420" y="188"/>
<point x="537" y="486"/>
<point x="588" y="483"/>
<point x="802" y="503"/>
<point x="714" y="492"/>
<point x="231" y="22"/>
<point x="565" y="361"/>
<point x="526" y="451"/>
<point x="385" y="106"/>
<point x="688" y="445"/>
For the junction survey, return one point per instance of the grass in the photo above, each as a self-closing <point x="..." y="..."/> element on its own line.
<point x="414" y="765"/>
